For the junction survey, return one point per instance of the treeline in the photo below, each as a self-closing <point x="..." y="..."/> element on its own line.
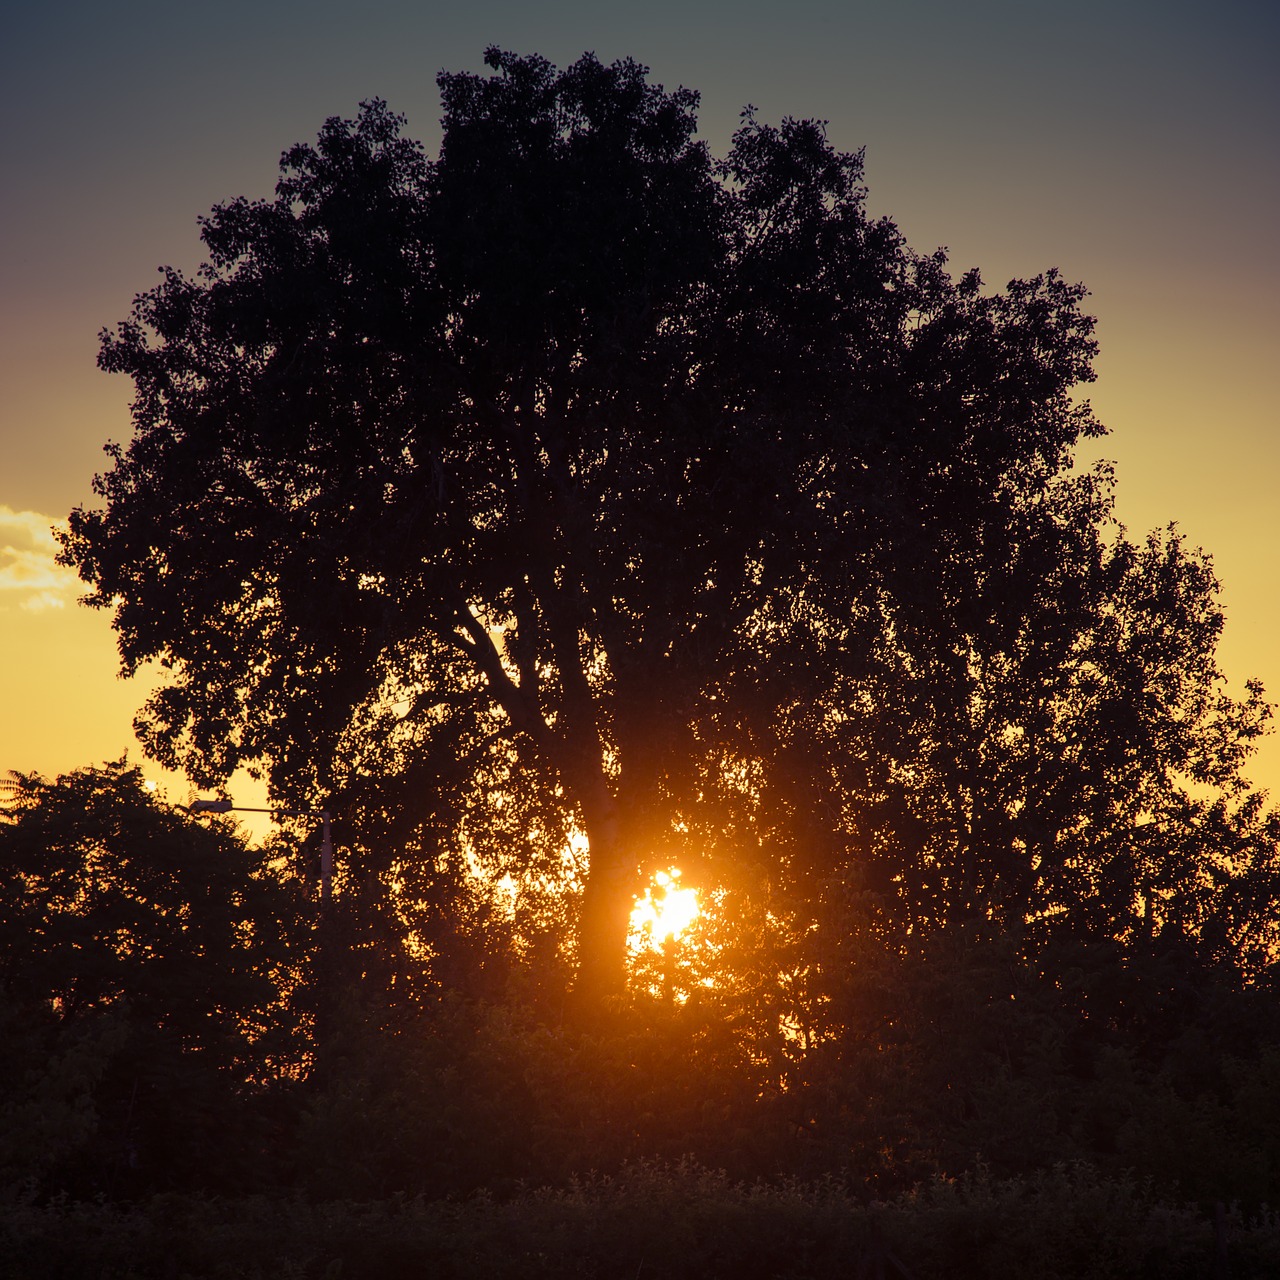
<point x="187" y="1057"/>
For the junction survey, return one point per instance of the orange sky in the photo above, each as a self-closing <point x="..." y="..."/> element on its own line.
<point x="1133" y="145"/>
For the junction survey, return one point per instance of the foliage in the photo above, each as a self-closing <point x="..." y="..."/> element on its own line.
<point x="574" y="505"/>
<point x="973" y="1061"/>
<point x="573" y="485"/>
<point x="662" y="1220"/>
<point x="145" y="961"/>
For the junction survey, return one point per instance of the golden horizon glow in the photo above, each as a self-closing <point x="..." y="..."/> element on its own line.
<point x="664" y="911"/>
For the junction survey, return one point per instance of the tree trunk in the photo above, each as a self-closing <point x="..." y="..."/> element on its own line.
<point x="607" y="901"/>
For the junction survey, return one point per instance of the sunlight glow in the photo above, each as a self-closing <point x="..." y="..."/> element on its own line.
<point x="665" y="910"/>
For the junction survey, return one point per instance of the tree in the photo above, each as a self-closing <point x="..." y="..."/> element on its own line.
<point x="576" y="482"/>
<point x="149" y="959"/>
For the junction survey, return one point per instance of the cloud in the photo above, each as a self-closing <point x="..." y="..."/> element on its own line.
<point x="30" y="576"/>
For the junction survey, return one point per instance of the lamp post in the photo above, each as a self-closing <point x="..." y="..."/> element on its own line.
<point x="200" y="807"/>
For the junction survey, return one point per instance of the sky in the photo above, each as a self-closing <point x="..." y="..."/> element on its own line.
<point x="1132" y="144"/>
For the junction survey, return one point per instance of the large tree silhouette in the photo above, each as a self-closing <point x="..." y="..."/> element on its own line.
<point x="574" y="480"/>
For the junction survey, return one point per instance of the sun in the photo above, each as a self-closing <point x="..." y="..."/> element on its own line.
<point x="664" y="911"/>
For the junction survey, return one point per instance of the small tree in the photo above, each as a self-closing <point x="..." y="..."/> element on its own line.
<point x="150" y="958"/>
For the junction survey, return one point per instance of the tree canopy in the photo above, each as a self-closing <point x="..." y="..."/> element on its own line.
<point x="577" y="490"/>
<point x="147" y="970"/>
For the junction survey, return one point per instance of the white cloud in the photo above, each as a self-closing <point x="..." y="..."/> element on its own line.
<point x="30" y="576"/>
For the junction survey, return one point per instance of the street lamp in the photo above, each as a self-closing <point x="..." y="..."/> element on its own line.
<point x="201" y="807"/>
